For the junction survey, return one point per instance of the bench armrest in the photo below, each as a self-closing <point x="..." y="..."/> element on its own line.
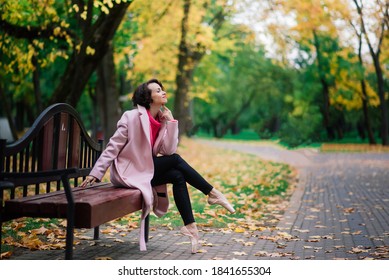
<point x="30" y="178"/>
<point x="4" y="185"/>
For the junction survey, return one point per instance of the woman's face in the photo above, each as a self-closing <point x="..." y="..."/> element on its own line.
<point x="157" y="94"/>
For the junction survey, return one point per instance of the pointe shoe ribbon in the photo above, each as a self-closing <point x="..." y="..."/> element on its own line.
<point x="191" y="231"/>
<point x="216" y="197"/>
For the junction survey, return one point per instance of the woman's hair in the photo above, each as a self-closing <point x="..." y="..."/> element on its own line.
<point x="142" y="94"/>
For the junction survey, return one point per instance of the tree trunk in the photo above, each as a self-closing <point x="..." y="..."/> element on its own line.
<point x="107" y="95"/>
<point x="366" y="115"/>
<point x="7" y="109"/>
<point x="378" y="70"/>
<point x="188" y="58"/>
<point x="93" y="118"/>
<point x="325" y="108"/>
<point x="36" y="83"/>
<point x="235" y="118"/>
<point x="184" y="74"/>
<point x="365" y="98"/>
<point x="383" y="106"/>
<point x="325" y="90"/>
<point x="82" y="65"/>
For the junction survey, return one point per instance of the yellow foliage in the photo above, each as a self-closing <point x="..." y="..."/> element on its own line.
<point x="90" y="51"/>
<point x="84" y="15"/>
<point x="57" y="31"/>
<point x="348" y="90"/>
<point x="76" y="8"/>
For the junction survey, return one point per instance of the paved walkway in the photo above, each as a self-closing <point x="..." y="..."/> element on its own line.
<point x="340" y="210"/>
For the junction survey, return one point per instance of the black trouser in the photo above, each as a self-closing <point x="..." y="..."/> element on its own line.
<point x="175" y="170"/>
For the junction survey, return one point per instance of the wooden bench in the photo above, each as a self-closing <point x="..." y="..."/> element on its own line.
<point x="40" y="172"/>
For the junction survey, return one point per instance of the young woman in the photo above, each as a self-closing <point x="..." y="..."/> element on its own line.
<point x="142" y="155"/>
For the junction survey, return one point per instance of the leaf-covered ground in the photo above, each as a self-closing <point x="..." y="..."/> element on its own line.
<point x="258" y="189"/>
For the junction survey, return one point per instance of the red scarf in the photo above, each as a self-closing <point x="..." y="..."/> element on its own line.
<point x="154" y="128"/>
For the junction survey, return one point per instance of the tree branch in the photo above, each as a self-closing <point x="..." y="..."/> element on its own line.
<point x="33" y="32"/>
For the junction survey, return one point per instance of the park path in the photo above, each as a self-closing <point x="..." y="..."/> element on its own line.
<point x="339" y="210"/>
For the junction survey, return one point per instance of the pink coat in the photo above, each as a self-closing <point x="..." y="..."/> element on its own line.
<point x="129" y="155"/>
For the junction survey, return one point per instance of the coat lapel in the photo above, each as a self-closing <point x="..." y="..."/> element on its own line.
<point x="144" y="119"/>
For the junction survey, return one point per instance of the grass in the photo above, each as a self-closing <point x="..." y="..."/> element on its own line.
<point x="248" y="182"/>
<point x="351" y="143"/>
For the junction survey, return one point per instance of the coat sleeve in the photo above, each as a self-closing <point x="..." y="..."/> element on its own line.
<point x="167" y="141"/>
<point x="113" y="148"/>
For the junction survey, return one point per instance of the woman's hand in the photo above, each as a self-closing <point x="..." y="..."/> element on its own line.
<point x="167" y="114"/>
<point x="89" y="180"/>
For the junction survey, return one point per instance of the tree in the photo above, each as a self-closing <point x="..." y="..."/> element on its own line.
<point x="60" y="42"/>
<point x="380" y="23"/>
<point x="93" y="45"/>
<point x="192" y="47"/>
<point x="364" y="86"/>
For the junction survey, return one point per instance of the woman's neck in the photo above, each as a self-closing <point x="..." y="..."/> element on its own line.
<point x="154" y="111"/>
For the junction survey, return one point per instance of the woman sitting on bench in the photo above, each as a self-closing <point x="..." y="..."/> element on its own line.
<point x="142" y="155"/>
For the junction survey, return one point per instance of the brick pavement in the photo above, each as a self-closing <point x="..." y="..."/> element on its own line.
<point x="338" y="211"/>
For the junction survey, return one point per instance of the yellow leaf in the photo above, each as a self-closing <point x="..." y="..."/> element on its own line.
<point x="57" y="31"/>
<point x="6" y="255"/>
<point x="240" y="230"/>
<point x="83" y="237"/>
<point x="240" y="253"/>
<point x="76" y="8"/>
<point x="90" y="51"/>
<point x="41" y="230"/>
<point x="103" y="258"/>
<point x="118" y="240"/>
<point x="84" y="15"/>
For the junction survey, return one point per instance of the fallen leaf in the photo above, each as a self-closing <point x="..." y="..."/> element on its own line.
<point x="349" y="210"/>
<point x="6" y="255"/>
<point x="302" y="230"/>
<point x="103" y="258"/>
<point x="357" y="250"/>
<point x="239" y="253"/>
<point x="315" y="237"/>
<point x="261" y="254"/>
<point x="41" y="230"/>
<point x="240" y="230"/>
<point x="84" y="237"/>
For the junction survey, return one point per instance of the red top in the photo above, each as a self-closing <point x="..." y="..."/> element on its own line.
<point x="155" y="126"/>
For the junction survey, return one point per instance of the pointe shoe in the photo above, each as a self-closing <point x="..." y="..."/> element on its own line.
<point x="191" y="231"/>
<point x="216" y="197"/>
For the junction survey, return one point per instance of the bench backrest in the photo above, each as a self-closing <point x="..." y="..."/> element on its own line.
<point x="56" y="140"/>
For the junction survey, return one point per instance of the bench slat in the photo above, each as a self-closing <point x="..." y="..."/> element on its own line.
<point x="62" y="140"/>
<point x="93" y="205"/>
<point x="45" y="148"/>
